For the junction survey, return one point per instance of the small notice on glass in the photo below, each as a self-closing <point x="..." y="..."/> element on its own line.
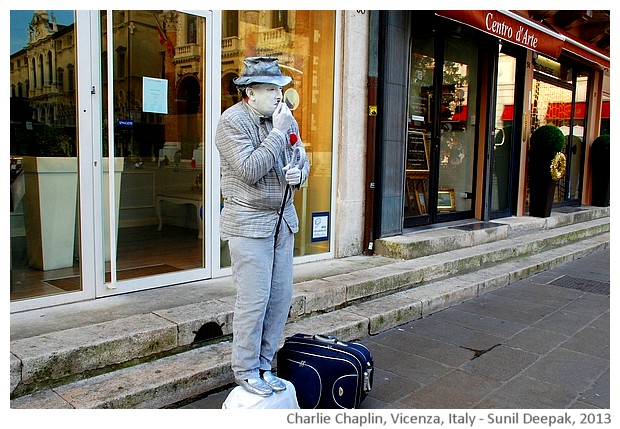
<point x="154" y="95"/>
<point x="320" y="226"/>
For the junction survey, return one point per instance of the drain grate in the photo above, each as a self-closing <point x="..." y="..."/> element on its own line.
<point x="584" y="285"/>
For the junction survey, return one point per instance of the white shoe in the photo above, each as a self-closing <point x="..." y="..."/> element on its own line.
<point x="258" y="386"/>
<point x="274" y="382"/>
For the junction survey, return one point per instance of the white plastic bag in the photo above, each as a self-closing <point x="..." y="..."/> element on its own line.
<point x="241" y="398"/>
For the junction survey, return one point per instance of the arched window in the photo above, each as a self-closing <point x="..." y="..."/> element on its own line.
<point x="50" y="74"/>
<point x="70" y="77"/>
<point x="191" y="29"/>
<point x="34" y="74"/>
<point x="41" y="69"/>
<point x="60" y="77"/>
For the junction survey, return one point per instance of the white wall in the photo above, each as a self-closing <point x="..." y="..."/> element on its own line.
<point x="352" y="135"/>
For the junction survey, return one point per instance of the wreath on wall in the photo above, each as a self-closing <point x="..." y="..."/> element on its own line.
<point x="558" y="166"/>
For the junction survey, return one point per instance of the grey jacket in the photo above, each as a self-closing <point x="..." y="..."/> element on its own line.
<point x="252" y="181"/>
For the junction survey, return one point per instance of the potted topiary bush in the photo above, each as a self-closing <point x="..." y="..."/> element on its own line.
<point x="547" y="165"/>
<point x="600" y="171"/>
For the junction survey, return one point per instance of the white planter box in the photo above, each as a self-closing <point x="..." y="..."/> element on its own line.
<point x="50" y="207"/>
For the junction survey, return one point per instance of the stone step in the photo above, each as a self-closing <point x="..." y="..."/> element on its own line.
<point x="438" y="239"/>
<point x="42" y="361"/>
<point x="182" y="376"/>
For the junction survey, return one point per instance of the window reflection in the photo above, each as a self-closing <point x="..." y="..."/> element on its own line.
<point x="159" y="133"/>
<point x="458" y="126"/>
<point x="552" y="104"/>
<point x="504" y="121"/>
<point x="303" y="41"/>
<point x="420" y="126"/>
<point x="43" y="148"/>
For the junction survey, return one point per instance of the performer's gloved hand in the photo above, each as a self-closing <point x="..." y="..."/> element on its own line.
<point x="282" y="118"/>
<point x="292" y="175"/>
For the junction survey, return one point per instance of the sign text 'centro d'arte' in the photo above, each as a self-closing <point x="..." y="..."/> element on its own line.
<point x="508" y="28"/>
<point x="522" y="35"/>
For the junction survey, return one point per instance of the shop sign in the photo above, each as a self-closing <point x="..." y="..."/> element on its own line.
<point x="550" y="67"/>
<point x="507" y="28"/>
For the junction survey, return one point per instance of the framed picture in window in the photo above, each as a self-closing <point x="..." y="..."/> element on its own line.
<point x="420" y="201"/>
<point x="445" y="200"/>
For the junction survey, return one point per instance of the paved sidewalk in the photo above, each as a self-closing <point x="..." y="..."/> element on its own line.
<point x="539" y="343"/>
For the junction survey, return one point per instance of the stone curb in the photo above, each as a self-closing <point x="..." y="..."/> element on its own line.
<point x="65" y="354"/>
<point x="71" y="353"/>
<point x="179" y="377"/>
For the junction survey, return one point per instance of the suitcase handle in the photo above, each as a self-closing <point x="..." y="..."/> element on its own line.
<point x="367" y="378"/>
<point x="328" y="339"/>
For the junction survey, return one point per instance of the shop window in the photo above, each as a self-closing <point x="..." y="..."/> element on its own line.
<point x="456" y="106"/>
<point x="158" y="142"/>
<point x="564" y="106"/>
<point x="501" y="191"/>
<point x="304" y="42"/>
<point x="43" y="150"/>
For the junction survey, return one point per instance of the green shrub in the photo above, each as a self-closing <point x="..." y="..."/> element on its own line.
<point x="53" y="141"/>
<point x="547" y="138"/>
<point x="601" y="143"/>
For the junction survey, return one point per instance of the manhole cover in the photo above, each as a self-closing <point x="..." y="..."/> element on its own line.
<point x="584" y="285"/>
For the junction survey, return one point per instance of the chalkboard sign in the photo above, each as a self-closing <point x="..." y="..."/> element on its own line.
<point x="417" y="152"/>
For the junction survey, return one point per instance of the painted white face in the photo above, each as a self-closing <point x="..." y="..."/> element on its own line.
<point x="264" y="98"/>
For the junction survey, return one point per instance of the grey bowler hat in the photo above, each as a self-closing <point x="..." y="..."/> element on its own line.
<point x="261" y="70"/>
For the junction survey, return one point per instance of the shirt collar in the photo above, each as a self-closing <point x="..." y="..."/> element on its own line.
<point x="256" y="116"/>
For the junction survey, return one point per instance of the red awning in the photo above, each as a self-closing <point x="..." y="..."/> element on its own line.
<point x="508" y="112"/>
<point x="522" y="31"/>
<point x="562" y="110"/>
<point x="605" y="112"/>
<point x="511" y="27"/>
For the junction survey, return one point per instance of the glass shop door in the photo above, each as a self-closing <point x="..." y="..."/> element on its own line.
<point x="156" y="74"/>
<point x="441" y="134"/>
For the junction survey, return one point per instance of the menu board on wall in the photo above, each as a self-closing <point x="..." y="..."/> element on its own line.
<point x="417" y="152"/>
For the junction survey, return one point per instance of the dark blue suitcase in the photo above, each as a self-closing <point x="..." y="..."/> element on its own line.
<point x="326" y="372"/>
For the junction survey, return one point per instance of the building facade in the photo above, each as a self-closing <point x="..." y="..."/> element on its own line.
<point x="409" y="118"/>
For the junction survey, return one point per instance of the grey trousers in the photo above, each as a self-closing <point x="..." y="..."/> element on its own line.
<point x="263" y="278"/>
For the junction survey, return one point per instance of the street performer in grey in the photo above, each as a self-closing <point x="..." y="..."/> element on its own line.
<point x="262" y="163"/>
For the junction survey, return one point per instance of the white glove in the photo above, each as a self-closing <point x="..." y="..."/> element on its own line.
<point x="282" y="118"/>
<point x="293" y="175"/>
